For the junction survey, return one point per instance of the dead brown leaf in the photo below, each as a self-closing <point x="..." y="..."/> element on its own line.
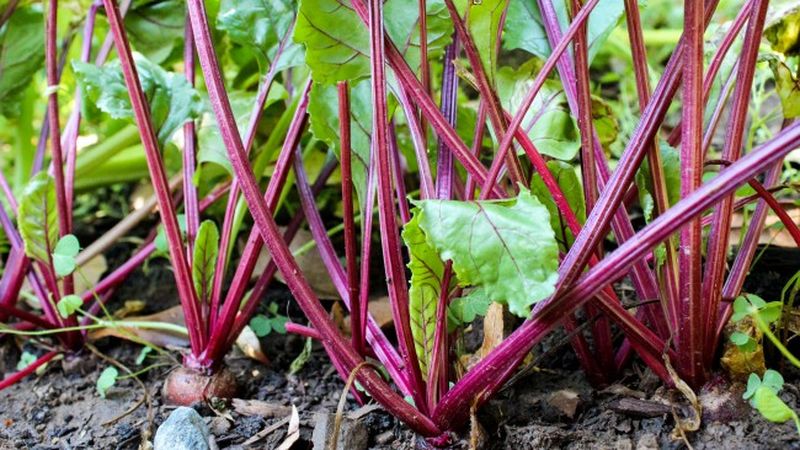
<point x="260" y="408"/>
<point x="738" y="363"/>
<point x="250" y="345"/>
<point x="773" y="234"/>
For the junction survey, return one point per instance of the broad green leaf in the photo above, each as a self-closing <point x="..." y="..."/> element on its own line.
<point x="570" y="185"/>
<point x="741" y="309"/>
<point x="26" y="360"/>
<point x="107" y="379"/>
<point x="323" y="108"/>
<point x="464" y="310"/>
<point x="261" y="25"/>
<point x="552" y="128"/>
<point x="302" y="358"/>
<point x="38" y="217"/>
<point x="21" y="55"/>
<point x="204" y="259"/>
<point x="337" y="42"/>
<point x="155" y="28"/>
<point x="64" y="255"/>
<point x="173" y="101"/>
<point x="483" y="21"/>
<point x="261" y="325"/>
<point x="524" y="28"/>
<point x="671" y="165"/>
<point x="426" y="282"/>
<point x="507" y="247"/>
<point x="767" y="402"/>
<point x="68" y="305"/>
<point x="211" y="149"/>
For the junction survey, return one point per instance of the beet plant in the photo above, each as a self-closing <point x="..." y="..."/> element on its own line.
<point x="499" y="188"/>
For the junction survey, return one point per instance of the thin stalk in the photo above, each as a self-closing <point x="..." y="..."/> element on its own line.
<point x="424" y="67"/>
<point x="356" y="336"/>
<point x="690" y="337"/>
<point x="716" y="254"/>
<point x="226" y="238"/>
<point x="255" y="243"/>
<point x="190" y="202"/>
<point x="336" y="345"/>
<point x="390" y="238"/>
<point x="490" y="373"/>
<point x="398" y="175"/>
<point x="51" y="64"/>
<point x="716" y="62"/>
<point x="600" y="329"/>
<point x="426" y="184"/>
<point x="31" y="368"/>
<point x="669" y="273"/>
<point x="183" y="276"/>
<point x="449" y="104"/>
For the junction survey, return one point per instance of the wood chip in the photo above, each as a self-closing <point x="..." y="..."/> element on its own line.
<point x="260" y="408"/>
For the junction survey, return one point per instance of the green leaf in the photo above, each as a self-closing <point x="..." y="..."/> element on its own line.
<point x="211" y="149"/>
<point x="26" y="360"/>
<point x="767" y="402"/>
<point x="483" y="21"/>
<point x="773" y="380"/>
<point x="745" y="343"/>
<point x="38" y="217"/>
<point x="64" y="255"/>
<point x="506" y="247"/>
<point x="525" y="30"/>
<point x="337" y="42"/>
<point x="173" y="101"/>
<point x="426" y="282"/>
<point x="204" y="259"/>
<point x="279" y="324"/>
<point x="552" y="128"/>
<point x="787" y="86"/>
<point x="143" y="355"/>
<point x="671" y="165"/>
<point x="323" y="108"/>
<point x="261" y="325"/>
<point x="68" y="305"/>
<point x="302" y="358"/>
<point x="464" y="310"/>
<point x="753" y="383"/>
<point x="261" y="25"/>
<point x="771" y="312"/>
<point x="107" y="379"/>
<point x="155" y="28"/>
<point x="570" y="185"/>
<point x="21" y="55"/>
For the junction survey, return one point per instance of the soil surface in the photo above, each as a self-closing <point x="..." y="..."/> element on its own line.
<point x="553" y="407"/>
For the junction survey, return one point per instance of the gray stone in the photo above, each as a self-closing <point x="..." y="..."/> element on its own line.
<point x="184" y="429"/>
<point x="352" y="434"/>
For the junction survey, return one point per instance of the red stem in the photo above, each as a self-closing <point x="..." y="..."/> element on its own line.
<point x="31" y="368"/>
<point x="336" y="345"/>
<point x="183" y="276"/>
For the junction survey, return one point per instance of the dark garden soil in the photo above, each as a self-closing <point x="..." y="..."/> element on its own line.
<point x="553" y="407"/>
